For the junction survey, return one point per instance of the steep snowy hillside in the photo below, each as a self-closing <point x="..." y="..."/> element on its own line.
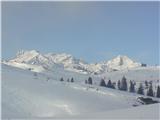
<point x="26" y="95"/>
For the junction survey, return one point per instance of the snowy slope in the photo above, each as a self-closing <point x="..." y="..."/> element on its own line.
<point x="27" y="96"/>
<point x="35" y="68"/>
<point x="138" y="74"/>
<point x="150" y="112"/>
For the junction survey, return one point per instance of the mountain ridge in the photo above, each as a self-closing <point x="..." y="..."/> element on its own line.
<point x="69" y="62"/>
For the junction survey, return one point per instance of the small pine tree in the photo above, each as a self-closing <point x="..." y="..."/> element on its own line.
<point x="158" y="92"/>
<point x="90" y="80"/>
<point x="140" y="89"/>
<point x="102" y="83"/>
<point x="146" y="84"/>
<point x="72" y="80"/>
<point x="61" y="79"/>
<point x="119" y="84"/>
<point x="123" y="84"/>
<point x="132" y="87"/>
<point x="30" y="69"/>
<point x="68" y="80"/>
<point x="110" y="85"/>
<point x="150" y="91"/>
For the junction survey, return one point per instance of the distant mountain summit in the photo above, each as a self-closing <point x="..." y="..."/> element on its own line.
<point x="122" y="62"/>
<point x="68" y="62"/>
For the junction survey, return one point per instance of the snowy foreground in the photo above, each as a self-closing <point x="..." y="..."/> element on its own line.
<point x="25" y="95"/>
<point x="143" y="112"/>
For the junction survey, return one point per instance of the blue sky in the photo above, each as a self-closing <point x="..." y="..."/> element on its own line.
<point x="93" y="31"/>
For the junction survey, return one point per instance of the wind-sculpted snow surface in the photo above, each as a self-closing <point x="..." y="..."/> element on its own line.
<point x="25" y="95"/>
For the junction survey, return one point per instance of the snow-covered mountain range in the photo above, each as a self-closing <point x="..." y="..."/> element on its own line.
<point x="31" y="88"/>
<point x="37" y="62"/>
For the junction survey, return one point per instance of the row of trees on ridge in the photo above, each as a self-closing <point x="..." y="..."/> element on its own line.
<point x="122" y="85"/>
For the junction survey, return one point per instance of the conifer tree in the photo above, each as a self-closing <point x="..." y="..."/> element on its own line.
<point x="150" y="91"/>
<point x="123" y="84"/>
<point x="119" y="84"/>
<point x="90" y="80"/>
<point x="158" y="92"/>
<point x="61" y="79"/>
<point x="109" y="84"/>
<point x="132" y="87"/>
<point x="146" y="84"/>
<point x="140" y="89"/>
<point x="102" y="83"/>
<point x="72" y="80"/>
